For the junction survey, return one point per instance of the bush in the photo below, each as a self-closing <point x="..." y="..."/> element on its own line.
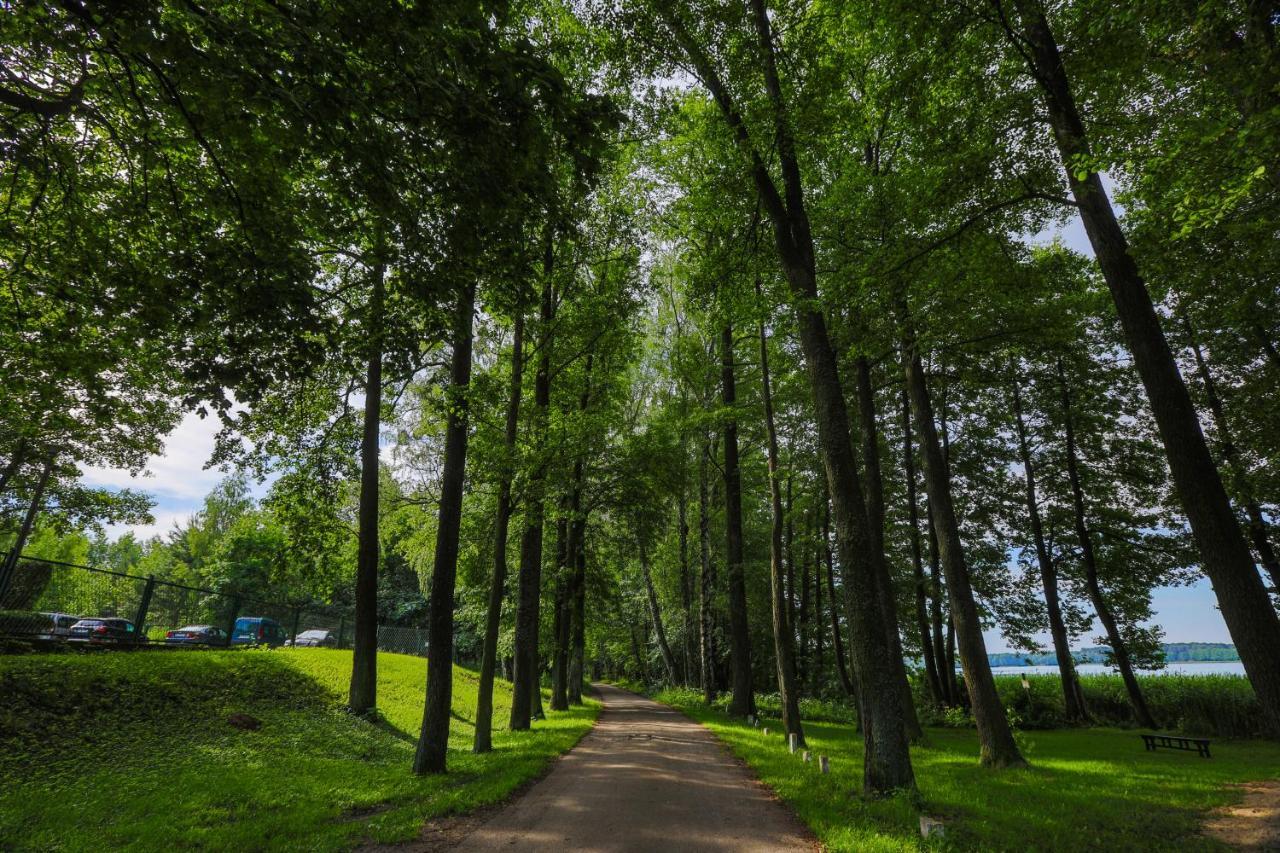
<point x="1214" y="705"/>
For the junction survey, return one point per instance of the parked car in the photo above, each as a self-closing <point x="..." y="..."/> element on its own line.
<point x="326" y="637"/>
<point x="55" y="626"/>
<point x="107" y="630"/>
<point x="196" y="635"/>
<point x="258" y="631"/>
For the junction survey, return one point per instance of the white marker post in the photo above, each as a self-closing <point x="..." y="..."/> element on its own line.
<point x="791" y="742"/>
<point x="931" y="827"/>
<point x="824" y="765"/>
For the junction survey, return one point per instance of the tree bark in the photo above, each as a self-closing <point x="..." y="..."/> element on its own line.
<point x="655" y="613"/>
<point x="837" y="644"/>
<point x="577" y="656"/>
<point x="502" y="522"/>
<point x="803" y="672"/>
<point x="782" y="634"/>
<point x="1119" y="650"/>
<point x="943" y="660"/>
<point x="642" y="667"/>
<point x="1259" y="534"/>
<point x="362" y="698"/>
<point x="1242" y="597"/>
<point x="706" y="581"/>
<point x="917" y="562"/>
<point x="818" y="632"/>
<point x="433" y="742"/>
<point x="742" y="700"/>
<point x="10" y="564"/>
<point x="1073" y="696"/>
<point x="523" y="705"/>
<point x="578" y="560"/>
<point x="873" y="484"/>
<point x="561" y="615"/>
<point x="998" y="748"/>
<point x="686" y="587"/>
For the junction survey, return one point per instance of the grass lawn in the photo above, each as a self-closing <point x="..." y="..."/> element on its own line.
<point x="1087" y="789"/>
<point x="134" y="750"/>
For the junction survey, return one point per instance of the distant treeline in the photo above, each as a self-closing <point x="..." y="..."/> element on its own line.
<point x="1173" y="652"/>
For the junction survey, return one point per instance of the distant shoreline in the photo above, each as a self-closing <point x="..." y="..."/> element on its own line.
<point x="1173" y="653"/>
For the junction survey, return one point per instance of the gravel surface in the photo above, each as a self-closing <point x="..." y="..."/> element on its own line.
<point x="645" y="778"/>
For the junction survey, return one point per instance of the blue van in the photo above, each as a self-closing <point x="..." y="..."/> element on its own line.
<point x="258" y="631"/>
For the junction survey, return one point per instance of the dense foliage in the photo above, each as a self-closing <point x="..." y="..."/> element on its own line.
<point x="724" y="345"/>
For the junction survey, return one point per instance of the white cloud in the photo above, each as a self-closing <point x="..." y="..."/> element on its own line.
<point x="164" y="523"/>
<point x="176" y="474"/>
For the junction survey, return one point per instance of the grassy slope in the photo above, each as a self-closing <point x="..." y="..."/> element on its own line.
<point x="134" y="751"/>
<point x="1087" y="789"/>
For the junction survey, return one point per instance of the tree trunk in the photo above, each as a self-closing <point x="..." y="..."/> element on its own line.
<point x="998" y="748"/>
<point x="789" y="561"/>
<point x="655" y="613"/>
<point x="818" y="632"/>
<point x="742" y="701"/>
<point x="576" y="639"/>
<point x="10" y="564"/>
<point x="1259" y="533"/>
<point x="1242" y="597"/>
<point x="1073" y="696"/>
<point x="579" y="650"/>
<point x="873" y="484"/>
<point x="641" y="666"/>
<point x="782" y="634"/>
<point x="1119" y="650"/>
<point x="362" y="698"/>
<point x="837" y="644"/>
<point x="803" y="672"/>
<point x="944" y="661"/>
<point x="917" y="562"/>
<point x="565" y="560"/>
<point x="502" y="521"/>
<point x="706" y="581"/>
<point x="433" y="742"/>
<point x="686" y="587"/>
<point x="527" y="609"/>
<point x="886" y="758"/>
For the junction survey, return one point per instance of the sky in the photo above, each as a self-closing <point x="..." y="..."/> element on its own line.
<point x="178" y="481"/>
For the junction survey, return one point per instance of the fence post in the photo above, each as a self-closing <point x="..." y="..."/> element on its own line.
<point x="342" y="630"/>
<point x="297" y="617"/>
<point x="139" y="619"/>
<point x="231" y="620"/>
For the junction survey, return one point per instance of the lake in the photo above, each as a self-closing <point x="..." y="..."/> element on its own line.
<point x="1224" y="667"/>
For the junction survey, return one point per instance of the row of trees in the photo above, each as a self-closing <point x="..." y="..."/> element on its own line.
<point x="707" y="341"/>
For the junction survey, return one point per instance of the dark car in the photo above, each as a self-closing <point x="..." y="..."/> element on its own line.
<point x="107" y="630"/>
<point x="326" y="637"/>
<point x="258" y="631"/>
<point x="196" y="635"/>
<point x="55" y="626"/>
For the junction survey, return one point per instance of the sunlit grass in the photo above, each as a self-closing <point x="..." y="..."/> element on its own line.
<point x="134" y="751"/>
<point x="1087" y="789"/>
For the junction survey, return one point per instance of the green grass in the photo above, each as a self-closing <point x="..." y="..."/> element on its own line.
<point x="134" y="751"/>
<point x="1086" y="789"/>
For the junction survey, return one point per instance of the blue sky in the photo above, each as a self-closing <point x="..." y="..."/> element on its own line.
<point x="178" y="481"/>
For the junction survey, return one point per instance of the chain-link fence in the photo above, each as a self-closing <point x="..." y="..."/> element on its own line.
<point x="52" y="601"/>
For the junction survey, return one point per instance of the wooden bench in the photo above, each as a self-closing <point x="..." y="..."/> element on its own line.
<point x="1189" y="744"/>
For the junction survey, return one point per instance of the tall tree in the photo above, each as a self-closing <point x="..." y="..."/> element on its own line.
<point x="1241" y="595"/>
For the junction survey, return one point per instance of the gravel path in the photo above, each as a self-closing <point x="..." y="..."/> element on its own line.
<point x="645" y="778"/>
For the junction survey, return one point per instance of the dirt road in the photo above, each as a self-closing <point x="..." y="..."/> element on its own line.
<point x="645" y="779"/>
